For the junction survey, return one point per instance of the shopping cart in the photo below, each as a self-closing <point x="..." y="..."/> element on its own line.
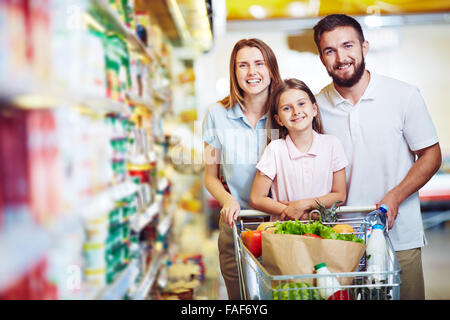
<point x="257" y="284"/>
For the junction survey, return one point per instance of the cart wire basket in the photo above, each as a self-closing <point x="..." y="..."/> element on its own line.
<point x="257" y="284"/>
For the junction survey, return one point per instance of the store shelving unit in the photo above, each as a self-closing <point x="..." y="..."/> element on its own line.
<point x="15" y="245"/>
<point x="140" y="221"/>
<point x="125" y="280"/>
<point x="114" y="24"/>
<point x="149" y="278"/>
<point x="121" y="285"/>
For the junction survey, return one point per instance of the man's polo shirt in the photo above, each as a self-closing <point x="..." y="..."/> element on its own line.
<point x="379" y="134"/>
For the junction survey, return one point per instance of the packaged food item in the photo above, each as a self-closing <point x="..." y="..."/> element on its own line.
<point x="328" y="284"/>
<point x="95" y="277"/>
<point x="96" y="218"/>
<point x="94" y="254"/>
<point x="45" y="171"/>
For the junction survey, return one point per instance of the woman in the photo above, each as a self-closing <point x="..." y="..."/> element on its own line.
<point x="234" y="136"/>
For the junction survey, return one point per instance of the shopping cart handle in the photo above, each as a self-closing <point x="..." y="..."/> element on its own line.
<point x="355" y="209"/>
<point x="252" y="213"/>
<point x="343" y="209"/>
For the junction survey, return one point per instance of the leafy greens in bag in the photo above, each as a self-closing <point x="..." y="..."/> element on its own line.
<point x="317" y="228"/>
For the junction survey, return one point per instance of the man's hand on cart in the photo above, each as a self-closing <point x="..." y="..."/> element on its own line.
<point x="392" y="202"/>
<point x="230" y="211"/>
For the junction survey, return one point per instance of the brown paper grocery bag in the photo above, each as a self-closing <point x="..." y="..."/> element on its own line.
<point x="288" y="254"/>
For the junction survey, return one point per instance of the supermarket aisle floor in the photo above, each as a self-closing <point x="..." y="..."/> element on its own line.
<point x="436" y="263"/>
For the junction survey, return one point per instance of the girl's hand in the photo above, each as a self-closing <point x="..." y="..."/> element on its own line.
<point x="296" y="210"/>
<point x="230" y="211"/>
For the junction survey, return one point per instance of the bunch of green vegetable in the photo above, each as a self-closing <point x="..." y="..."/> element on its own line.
<point x="315" y="228"/>
<point x="295" y="291"/>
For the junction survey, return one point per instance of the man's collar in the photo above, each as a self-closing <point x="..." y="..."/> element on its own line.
<point x="369" y="93"/>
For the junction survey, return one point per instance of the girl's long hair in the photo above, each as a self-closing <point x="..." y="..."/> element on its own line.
<point x="236" y="93"/>
<point x="274" y="130"/>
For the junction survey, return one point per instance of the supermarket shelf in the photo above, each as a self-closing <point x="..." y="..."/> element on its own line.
<point x="20" y="249"/>
<point x="114" y="23"/>
<point x="141" y="220"/>
<point x="133" y="98"/>
<point x="162" y="97"/>
<point x="149" y="278"/>
<point x="30" y="96"/>
<point x="24" y="243"/>
<point x="100" y="104"/>
<point x="120" y="286"/>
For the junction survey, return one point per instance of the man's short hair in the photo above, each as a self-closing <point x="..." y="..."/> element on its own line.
<point x="333" y="21"/>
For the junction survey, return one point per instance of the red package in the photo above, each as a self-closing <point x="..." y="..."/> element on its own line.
<point x="33" y="285"/>
<point x="44" y="166"/>
<point x="13" y="157"/>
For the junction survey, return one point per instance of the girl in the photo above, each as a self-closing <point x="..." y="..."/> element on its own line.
<point x="303" y="166"/>
<point x="234" y="136"/>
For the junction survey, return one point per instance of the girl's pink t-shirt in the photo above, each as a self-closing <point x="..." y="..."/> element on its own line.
<point x="297" y="175"/>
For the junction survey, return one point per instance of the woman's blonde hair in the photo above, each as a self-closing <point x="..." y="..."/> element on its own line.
<point x="236" y="93"/>
<point x="274" y="102"/>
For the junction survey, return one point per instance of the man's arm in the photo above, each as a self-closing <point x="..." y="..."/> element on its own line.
<point x="428" y="163"/>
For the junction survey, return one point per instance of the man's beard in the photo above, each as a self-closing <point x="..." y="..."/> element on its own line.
<point x="350" y="82"/>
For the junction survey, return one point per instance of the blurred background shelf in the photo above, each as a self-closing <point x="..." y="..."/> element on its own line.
<point x="149" y="278"/>
<point x="118" y="289"/>
<point x="110" y="20"/>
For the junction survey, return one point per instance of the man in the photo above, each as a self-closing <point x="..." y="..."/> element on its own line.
<point x="388" y="137"/>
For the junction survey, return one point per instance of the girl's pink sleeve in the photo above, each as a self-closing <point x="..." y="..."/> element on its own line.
<point x="339" y="158"/>
<point x="267" y="164"/>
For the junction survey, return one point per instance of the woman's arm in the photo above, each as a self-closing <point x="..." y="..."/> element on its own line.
<point x="259" y="198"/>
<point x="300" y="209"/>
<point x="230" y="206"/>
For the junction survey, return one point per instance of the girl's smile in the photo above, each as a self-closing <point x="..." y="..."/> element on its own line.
<point x="296" y="111"/>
